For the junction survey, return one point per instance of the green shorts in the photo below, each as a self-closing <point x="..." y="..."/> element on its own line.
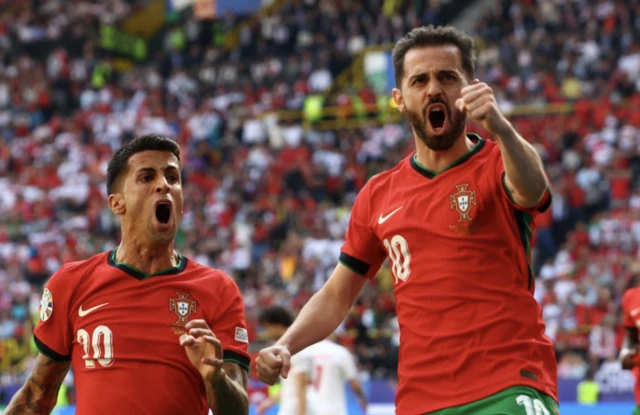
<point x="518" y="400"/>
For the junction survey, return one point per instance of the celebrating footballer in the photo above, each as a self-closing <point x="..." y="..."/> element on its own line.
<point x="455" y="220"/>
<point x="146" y="330"/>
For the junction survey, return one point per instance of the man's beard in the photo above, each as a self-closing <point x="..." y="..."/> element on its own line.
<point x="444" y="140"/>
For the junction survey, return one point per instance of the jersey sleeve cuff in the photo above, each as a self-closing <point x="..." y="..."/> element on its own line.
<point x="542" y="206"/>
<point x="50" y="353"/>
<point x="354" y="264"/>
<point x="235" y="357"/>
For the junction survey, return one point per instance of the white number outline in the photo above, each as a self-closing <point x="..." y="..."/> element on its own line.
<point x="400" y="257"/>
<point x="532" y="406"/>
<point x="101" y="335"/>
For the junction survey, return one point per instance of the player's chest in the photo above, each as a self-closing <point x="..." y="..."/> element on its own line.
<point x="120" y="319"/>
<point x="452" y="209"/>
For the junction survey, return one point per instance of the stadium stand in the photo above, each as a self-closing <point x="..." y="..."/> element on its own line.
<point x="269" y="200"/>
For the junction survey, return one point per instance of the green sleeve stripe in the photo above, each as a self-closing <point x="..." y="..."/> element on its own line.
<point x="242" y="364"/>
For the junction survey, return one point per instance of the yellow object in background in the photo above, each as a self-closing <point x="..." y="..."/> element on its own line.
<point x="588" y="392"/>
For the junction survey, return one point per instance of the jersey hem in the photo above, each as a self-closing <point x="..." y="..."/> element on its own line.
<point x="50" y="353"/>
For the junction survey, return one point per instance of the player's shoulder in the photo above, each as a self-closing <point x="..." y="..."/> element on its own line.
<point x="490" y="149"/>
<point x="217" y="276"/>
<point x="383" y="180"/>
<point x="77" y="269"/>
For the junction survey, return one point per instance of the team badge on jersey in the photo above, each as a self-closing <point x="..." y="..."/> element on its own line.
<point x="183" y="308"/>
<point x="462" y="201"/>
<point x="46" y="305"/>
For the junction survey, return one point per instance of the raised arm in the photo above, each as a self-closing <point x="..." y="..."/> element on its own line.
<point x="524" y="178"/>
<point x="39" y="394"/>
<point x="317" y="320"/>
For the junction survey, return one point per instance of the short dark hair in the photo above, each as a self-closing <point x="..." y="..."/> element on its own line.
<point x="276" y="315"/>
<point x="435" y="36"/>
<point x="149" y="142"/>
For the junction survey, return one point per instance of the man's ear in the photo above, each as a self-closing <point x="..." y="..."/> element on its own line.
<point x="116" y="204"/>
<point x="397" y="98"/>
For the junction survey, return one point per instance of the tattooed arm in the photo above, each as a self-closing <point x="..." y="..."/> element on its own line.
<point x="40" y="392"/>
<point x="228" y="395"/>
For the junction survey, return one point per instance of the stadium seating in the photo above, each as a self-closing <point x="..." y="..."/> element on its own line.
<point x="268" y="200"/>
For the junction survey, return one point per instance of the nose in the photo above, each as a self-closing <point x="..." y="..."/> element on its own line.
<point x="162" y="186"/>
<point x="434" y="90"/>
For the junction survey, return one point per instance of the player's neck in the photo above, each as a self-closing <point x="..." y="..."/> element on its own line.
<point x="146" y="258"/>
<point x="439" y="160"/>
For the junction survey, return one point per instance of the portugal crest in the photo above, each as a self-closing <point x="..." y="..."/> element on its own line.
<point x="183" y="307"/>
<point x="462" y="201"/>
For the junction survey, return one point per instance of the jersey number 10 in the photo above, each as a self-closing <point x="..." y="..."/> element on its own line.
<point x="102" y="343"/>
<point x="532" y="406"/>
<point x="399" y="256"/>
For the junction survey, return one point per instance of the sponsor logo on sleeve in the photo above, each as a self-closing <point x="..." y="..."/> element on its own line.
<point x="241" y="335"/>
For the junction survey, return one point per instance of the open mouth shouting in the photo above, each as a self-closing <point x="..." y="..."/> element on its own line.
<point x="163" y="210"/>
<point x="437" y="116"/>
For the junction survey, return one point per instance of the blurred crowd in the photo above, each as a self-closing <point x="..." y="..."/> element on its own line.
<point x="269" y="201"/>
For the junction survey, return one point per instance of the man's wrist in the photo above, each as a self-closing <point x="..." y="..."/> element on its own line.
<point x="283" y="342"/>
<point x="505" y="130"/>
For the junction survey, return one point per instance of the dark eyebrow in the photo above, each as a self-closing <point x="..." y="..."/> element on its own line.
<point x="150" y="170"/>
<point x="447" y="72"/>
<point x="417" y="76"/>
<point x="146" y="170"/>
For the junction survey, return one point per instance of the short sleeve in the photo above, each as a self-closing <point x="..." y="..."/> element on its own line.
<point x="53" y="334"/>
<point x="349" y="364"/>
<point x="627" y="319"/>
<point x="230" y="327"/>
<point x="501" y="177"/>
<point x="362" y="251"/>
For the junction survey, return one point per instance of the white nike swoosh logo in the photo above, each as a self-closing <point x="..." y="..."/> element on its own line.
<point x="383" y="219"/>
<point x="635" y="311"/>
<point x="83" y="313"/>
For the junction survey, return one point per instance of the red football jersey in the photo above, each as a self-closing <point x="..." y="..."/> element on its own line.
<point x="459" y="249"/>
<point x="631" y="319"/>
<point x="121" y="330"/>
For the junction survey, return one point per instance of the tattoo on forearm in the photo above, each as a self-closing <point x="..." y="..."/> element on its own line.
<point x="40" y="392"/>
<point x="229" y="397"/>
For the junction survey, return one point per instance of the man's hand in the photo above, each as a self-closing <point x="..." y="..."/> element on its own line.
<point x="273" y="362"/>
<point x="628" y="358"/>
<point x="204" y="350"/>
<point x="480" y="104"/>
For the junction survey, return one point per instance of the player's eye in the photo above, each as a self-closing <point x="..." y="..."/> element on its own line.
<point x="145" y="179"/>
<point x="173" y="178"/>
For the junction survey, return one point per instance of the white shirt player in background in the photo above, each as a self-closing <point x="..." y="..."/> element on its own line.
<point x="292" y="396"/>
<point x="330" y="367"/>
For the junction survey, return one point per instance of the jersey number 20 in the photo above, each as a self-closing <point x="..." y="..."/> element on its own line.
<point x="101" y="341"/>
<point x="400" y="257"/>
